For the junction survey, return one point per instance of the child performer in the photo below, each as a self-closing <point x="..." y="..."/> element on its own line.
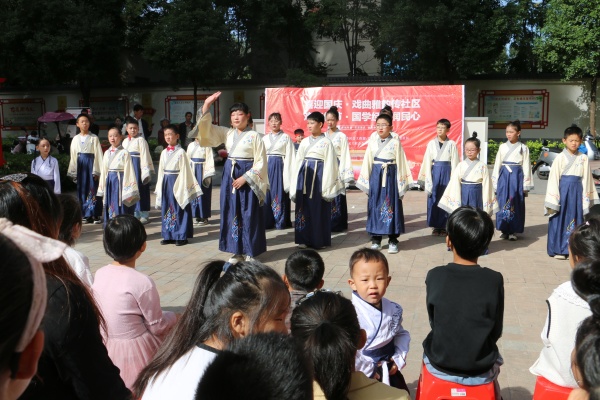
<point x="203" y="165"/>
<point x="280" y="159"/>
<point x="117" y="183"/>
<point x="46" y="166"/>
<point x="176" y="188"/>
<point x="570" y="193"/>
<point x="316" y="182"/>
<point x="440" y="159"/>
<point x="139" y="151"/>
<point x="245" y="180"/>
<point x="512" y="181"/>
<point x="385" y="176"/>
<point x="129" y="301"/>
<point x="339" y="205"/>
<point x="384" y="354"/>
<point x="85" y="167"/>
<point x="470" y="183"/>
<point x="465" y="303"/>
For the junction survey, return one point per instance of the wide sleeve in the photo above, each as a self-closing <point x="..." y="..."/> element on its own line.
<point x="72" y="170"/>
<point x="345" y="168"/>
<point x="131" y="192"/>
<point x="159" y="180"/>
<point x="210" y="135"/>
<point x="452" y="199"/>
<point x="147" y="166"/>
<point x="527" y="174"/>
<point x="56" y="171"/>
<point x="33" y="165"/>
<point x="404" y="175"/>
<point x="158" y="322"/>
<point x="331" y="185"/>
<point x="186" y="188"/>
<point x="590" y="195"/>
<point x="497" y="166"/>
<point x="296" y="169"/>
<point x="103" y="175"/>
<point x="424" y="178"/>
<point x="209" y="165"/>
<point x="552" y="199"/>
<point x="401" y="346"/>
<point x="288" y="164"/>
<point x="364" y="176"/>
<point x="98" y="156"/>
<point x="257" y="176"/>
<point x="453" y="155"/>
<point x="490" y="204"/>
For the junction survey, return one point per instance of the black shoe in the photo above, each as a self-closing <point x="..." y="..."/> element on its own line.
<point x="181" y="242"/>
<point x="164" y="241"/>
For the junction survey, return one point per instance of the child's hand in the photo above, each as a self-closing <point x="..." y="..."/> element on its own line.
<point x="239" y="182"/>
<point x="393" y="368"/>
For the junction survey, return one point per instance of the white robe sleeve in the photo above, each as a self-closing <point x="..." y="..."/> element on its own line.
<point x="130" y="193"/>
<point x="210" y="135"/>
<point x="590" y="195"/>
<point x="146" y="163"/>
<point x="257" y="176"/>
<point x="57" y="189"/>
<point x="288" y="164"/>
<point x="552" y="199"/>
<point x="452" y="199"/>
<point x="345" y="168"/>
<point x="424" y="178"/>
<point x="72" y="170"/>
<point x="490" y="204"/>
<point x="404" y="176"/>
<point x="498" y="165"/>
<point x="296" y="168"/>
<point x="98" y="155"/>
<point x="209" y="166"/>
<point x="159" y="179"/>
<point x="103" y="174"/>
<point x="331" y="186"/>
<point x="186" y="188"/>
<point x="364" y="177"/>
<point x="527" y="174"/>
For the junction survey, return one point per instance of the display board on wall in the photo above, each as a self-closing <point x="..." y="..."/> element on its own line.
<point x="416" y="111"/>
<point x="530" y="107"/>
<point x="177" y="106"/>
<point x="106" y="109"/>
<point x="19" y="113"/>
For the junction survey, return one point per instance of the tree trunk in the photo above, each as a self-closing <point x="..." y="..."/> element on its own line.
<point x="593" y="89"/>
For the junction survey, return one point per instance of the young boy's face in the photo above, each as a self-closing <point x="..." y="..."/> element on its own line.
<point x="133" y="130"/>
<point x="442" y="131"/>
<point x="114" y="137"/>
<point x="370" y="280"/>
<point x="572" y="143"/>
<point x="171" y="137"/>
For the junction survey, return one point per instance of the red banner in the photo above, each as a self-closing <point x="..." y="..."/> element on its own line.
<point x="416" y="112"/>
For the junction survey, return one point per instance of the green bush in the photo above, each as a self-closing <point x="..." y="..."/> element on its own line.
<point x="16" y="163"/>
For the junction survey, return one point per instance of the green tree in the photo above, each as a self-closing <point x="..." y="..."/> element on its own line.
<point x="192" y="43"/>
<point x="570" y="43"/>
<point x="528" y="21"/>
<point x="347" y="21"/>
<point x="441" y="40"/>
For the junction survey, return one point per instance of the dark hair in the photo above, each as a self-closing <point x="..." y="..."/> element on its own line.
<point x="265" y="366"/>
<point x="42" y="139"/>
<point x="573" y="130"/>
<point x="470" y="231"/>
<point x="250" y="287"/>
<point x="124" y="236"/>
<point x="515" y="124"/>
<point x="83" y="116"/>
<point x="368" y="255"/>
<point x="71" y="218"/>
<point x="387" y="109"/>
<point x="16" y="293"/>
<point x="444" y="122"/>
<point x="243" y="107"/>
<point x="188" y="113"/>
<point x="299" y="132"/>
<point x="138" y="107"/>
<point x="113" y="126"/>
<point x="584" y="241"/>
<point x="327" y="328"/>
<point x="333" y="110"/>
<point x="131" y="120"/>
<point x="316" y="116"/>
<point x="386" y="117"/>
<point x="473" y="139"/>
<point x="587" y="354"/>
<point x="585" y="279"/>
<point x="275" y="115"/>
<point x="304" y="269"/>
<point x="172" y="127"/>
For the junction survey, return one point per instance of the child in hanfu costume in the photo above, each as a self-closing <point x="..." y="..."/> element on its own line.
<point x="118" y="184"/>
<point x="385" y="176"/>
<point x="203" y="164"/>
<point x="441" y="157"/>
<point x="176" y="188"/>
<point x="280" y="158"/>
<point x="570" y="193"/>
<point x="245" y="180"/>
<point x="512" y="180"/>
<point x="470" y="183"/>
<point x="316" y="183"/>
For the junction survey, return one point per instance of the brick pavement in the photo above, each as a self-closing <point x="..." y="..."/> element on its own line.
<point x="529" y="275"/>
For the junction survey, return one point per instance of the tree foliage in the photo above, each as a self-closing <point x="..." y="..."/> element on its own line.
<point x="528" y="21"/>
<point x="441" y="39"/>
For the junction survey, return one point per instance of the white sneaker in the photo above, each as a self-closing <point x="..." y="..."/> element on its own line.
<point x="393" y="248"/>
<point x="560" y="257"/>
<point x="301" y="246"/>
<point x="203" y="222"/>
<point x="235" y="258"/>
<point x="512" y="237"/>
<point x="144" y="221"/>
<point x="248" y="258"/>
<point x="504" y="236"/>
<point x="375" y="246"/>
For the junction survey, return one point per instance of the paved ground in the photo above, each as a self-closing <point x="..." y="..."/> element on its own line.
<point x="529" y="275"/>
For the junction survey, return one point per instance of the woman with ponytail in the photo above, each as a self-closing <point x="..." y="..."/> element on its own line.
<point x="325" y="325"/>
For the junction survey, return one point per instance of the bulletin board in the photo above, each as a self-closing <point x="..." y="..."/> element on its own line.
<point x="529" y="107"/>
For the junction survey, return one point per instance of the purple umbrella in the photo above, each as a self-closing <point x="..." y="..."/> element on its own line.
<point x="55" y="117"/>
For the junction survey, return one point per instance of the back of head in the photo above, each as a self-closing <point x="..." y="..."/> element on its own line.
<point x="587" y="354"/>
<point x="124" y="236"/>
<point x="573" y="130"/>
<point x="304" y="270"/>
<point x="250" y="287"/>
<point x="470" y="231"/>
<point x="584" y="241"/>
<point x="265" y="366"/>
<point x="130" y="120"/>
<point x="71" y="218"/>
<point x="325" y="325"/>
<point x="585" y="279"/>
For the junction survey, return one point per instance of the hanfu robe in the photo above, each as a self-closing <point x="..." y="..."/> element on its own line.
<point x="569" y="196"/>
<point x="142" y="162"/>
<point x="242" y="217"/>
<point x="176" y="188"/>
<point x="118" y="184"/>
<point x="511" y="178"/>
<point x="316" y="181"/>
<point x="280" y="158"/>
<point x="203" y="164"/>
<point x="387" y="340"/>
<point x="438" y="162"/>
<point x="339" y="205"/>
<point x="85" y="163"/>
<point x="385" y="176"/>
<point x="470" y="185"/>
<point x="47" y="170"/>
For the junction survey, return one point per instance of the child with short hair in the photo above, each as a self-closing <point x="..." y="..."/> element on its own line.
<point x="440" y="158"/>
<point x="139" y="151"/>
<point x="118" y="184"/>
<point x="570" y="193"/>
<point x="176" y="188"/>
<point x="85" y="167"/>
<point x="46" y="166"/>
<point x="465" y="304"/>
<point x="384" y="353"/>
<point x="470" y="183"/>
<point x="304" y="270"/>
<point x="135" y="323"/>
<point x="203" y="165"/>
